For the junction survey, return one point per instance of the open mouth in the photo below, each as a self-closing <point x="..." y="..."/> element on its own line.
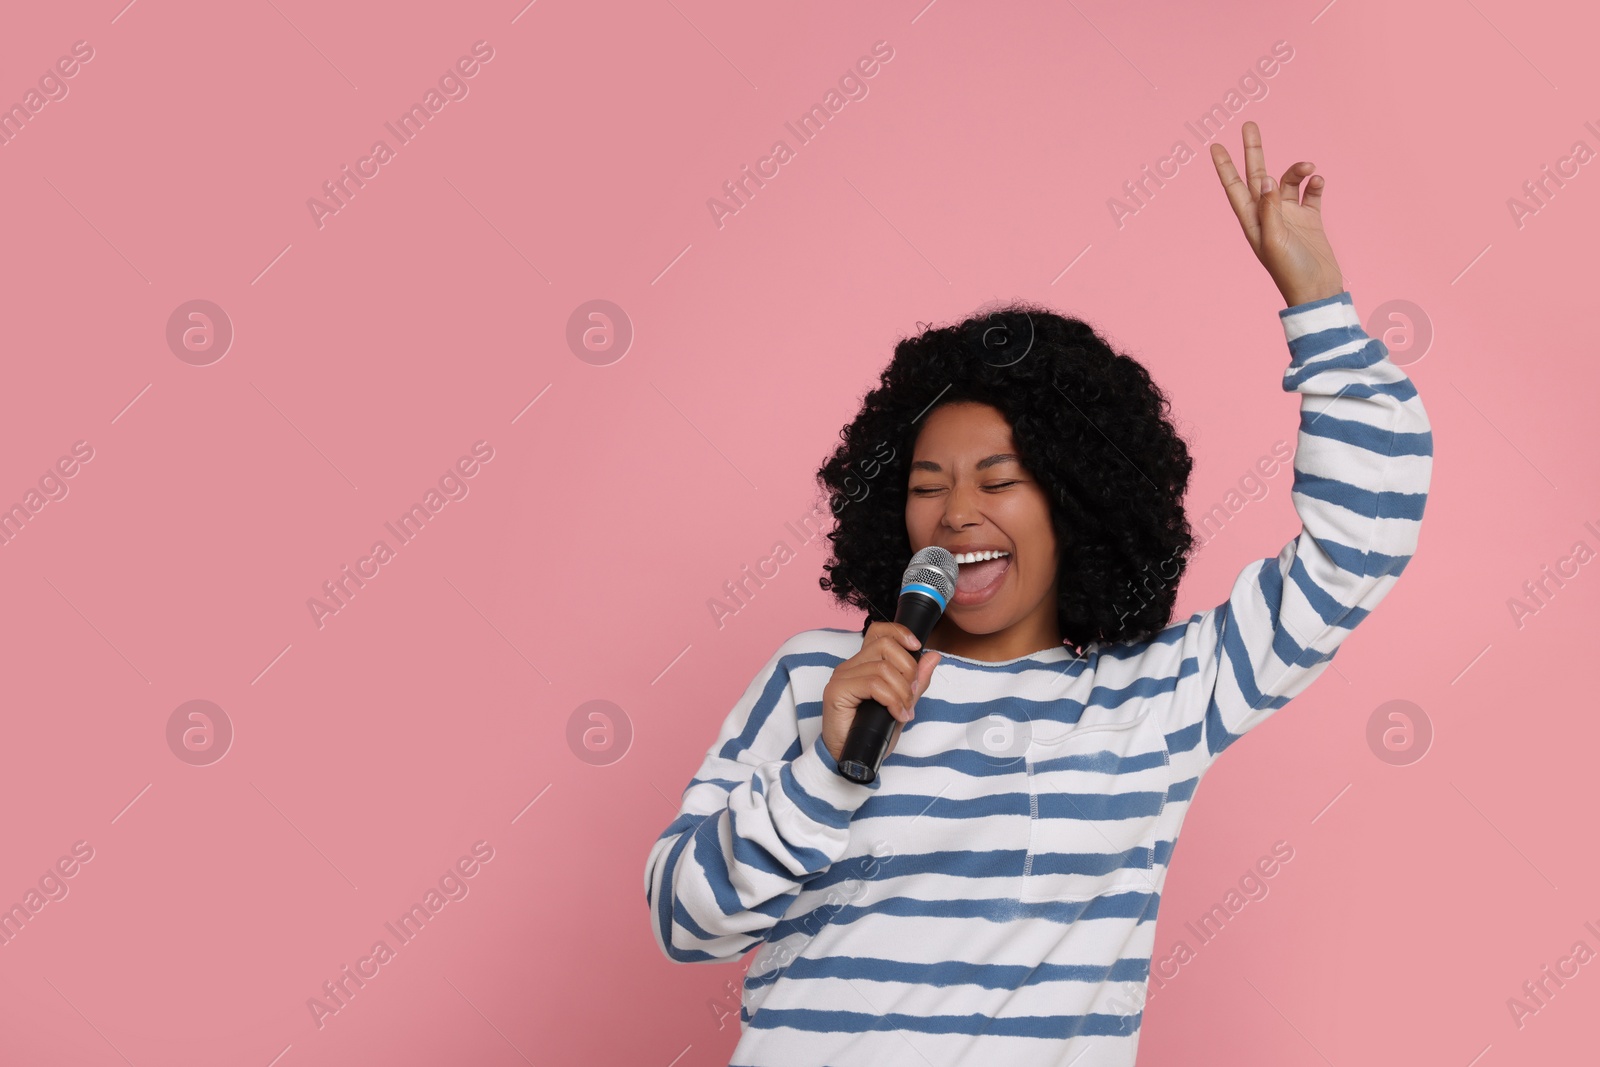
<point x="978" y="582"/>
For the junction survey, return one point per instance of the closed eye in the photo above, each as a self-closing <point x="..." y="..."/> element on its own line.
<point x="925" y="491"/>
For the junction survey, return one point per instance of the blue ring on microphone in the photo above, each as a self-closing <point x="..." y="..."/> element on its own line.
<point x="920" y="587"/>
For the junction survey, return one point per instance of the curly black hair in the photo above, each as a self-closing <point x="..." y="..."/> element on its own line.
<point x="1090" y="425"/>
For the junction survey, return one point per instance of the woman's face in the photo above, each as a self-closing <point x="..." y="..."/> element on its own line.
<point x="967" y="490"/>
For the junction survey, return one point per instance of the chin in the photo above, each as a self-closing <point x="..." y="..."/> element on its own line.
<point x="969" y="625"/>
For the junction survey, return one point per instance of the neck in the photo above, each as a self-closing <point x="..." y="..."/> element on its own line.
<point x="1021" y="638"/>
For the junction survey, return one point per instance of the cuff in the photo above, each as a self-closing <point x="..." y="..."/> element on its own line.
<point x="1315" y="315"/>
<point x="1315" y="328"/>
<point x="812" y="780"/>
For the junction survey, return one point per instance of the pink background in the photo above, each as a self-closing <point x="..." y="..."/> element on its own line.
<point x="429" y="713"/>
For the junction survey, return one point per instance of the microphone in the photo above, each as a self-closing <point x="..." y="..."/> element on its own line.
<point x="925" y="589"/>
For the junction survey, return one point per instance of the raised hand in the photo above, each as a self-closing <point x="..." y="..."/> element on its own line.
<point x="1284" y="230"/>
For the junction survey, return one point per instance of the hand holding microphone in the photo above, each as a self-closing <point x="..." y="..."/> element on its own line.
<point x="882" y="673"/>
<point x="858" y="728"/>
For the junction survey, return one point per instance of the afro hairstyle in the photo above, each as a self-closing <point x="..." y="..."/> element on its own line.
<point x="1090" y="426"/>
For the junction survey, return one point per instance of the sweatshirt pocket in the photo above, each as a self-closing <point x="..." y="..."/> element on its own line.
<point x="1096" y="794"/>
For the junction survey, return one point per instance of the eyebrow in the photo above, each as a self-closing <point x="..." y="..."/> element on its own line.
<point x="983" y="464"/>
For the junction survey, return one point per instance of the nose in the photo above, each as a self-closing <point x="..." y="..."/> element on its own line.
<point x="961" y="506"/>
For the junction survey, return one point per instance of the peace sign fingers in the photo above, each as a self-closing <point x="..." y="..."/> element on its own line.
<point x="1284" y="231"/>
<point x="1239" y="194"/>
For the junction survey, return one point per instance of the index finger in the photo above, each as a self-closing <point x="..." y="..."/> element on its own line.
<point x="897" y="632"/>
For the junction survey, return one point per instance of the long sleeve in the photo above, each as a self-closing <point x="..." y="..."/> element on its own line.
<point x="766" y="812"/>
<point x="1362" y="467"/>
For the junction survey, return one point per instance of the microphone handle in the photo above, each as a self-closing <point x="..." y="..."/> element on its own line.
<point x="874" y="728"/>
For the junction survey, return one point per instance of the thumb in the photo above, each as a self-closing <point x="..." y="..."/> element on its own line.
<point x="925" y="671"/>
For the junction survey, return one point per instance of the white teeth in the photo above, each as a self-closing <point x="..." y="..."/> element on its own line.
<point x="975" y="557"/>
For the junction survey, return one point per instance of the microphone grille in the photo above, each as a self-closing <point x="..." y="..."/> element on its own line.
<point x="933" y="566"/>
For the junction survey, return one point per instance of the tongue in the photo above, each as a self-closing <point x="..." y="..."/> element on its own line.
<point x="975" y="576"/>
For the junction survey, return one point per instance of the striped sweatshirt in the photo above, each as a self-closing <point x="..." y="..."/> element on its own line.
<point x="991" y="897"/>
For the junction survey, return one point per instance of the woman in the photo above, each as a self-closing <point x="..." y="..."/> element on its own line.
<point x="991" y="897"/>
